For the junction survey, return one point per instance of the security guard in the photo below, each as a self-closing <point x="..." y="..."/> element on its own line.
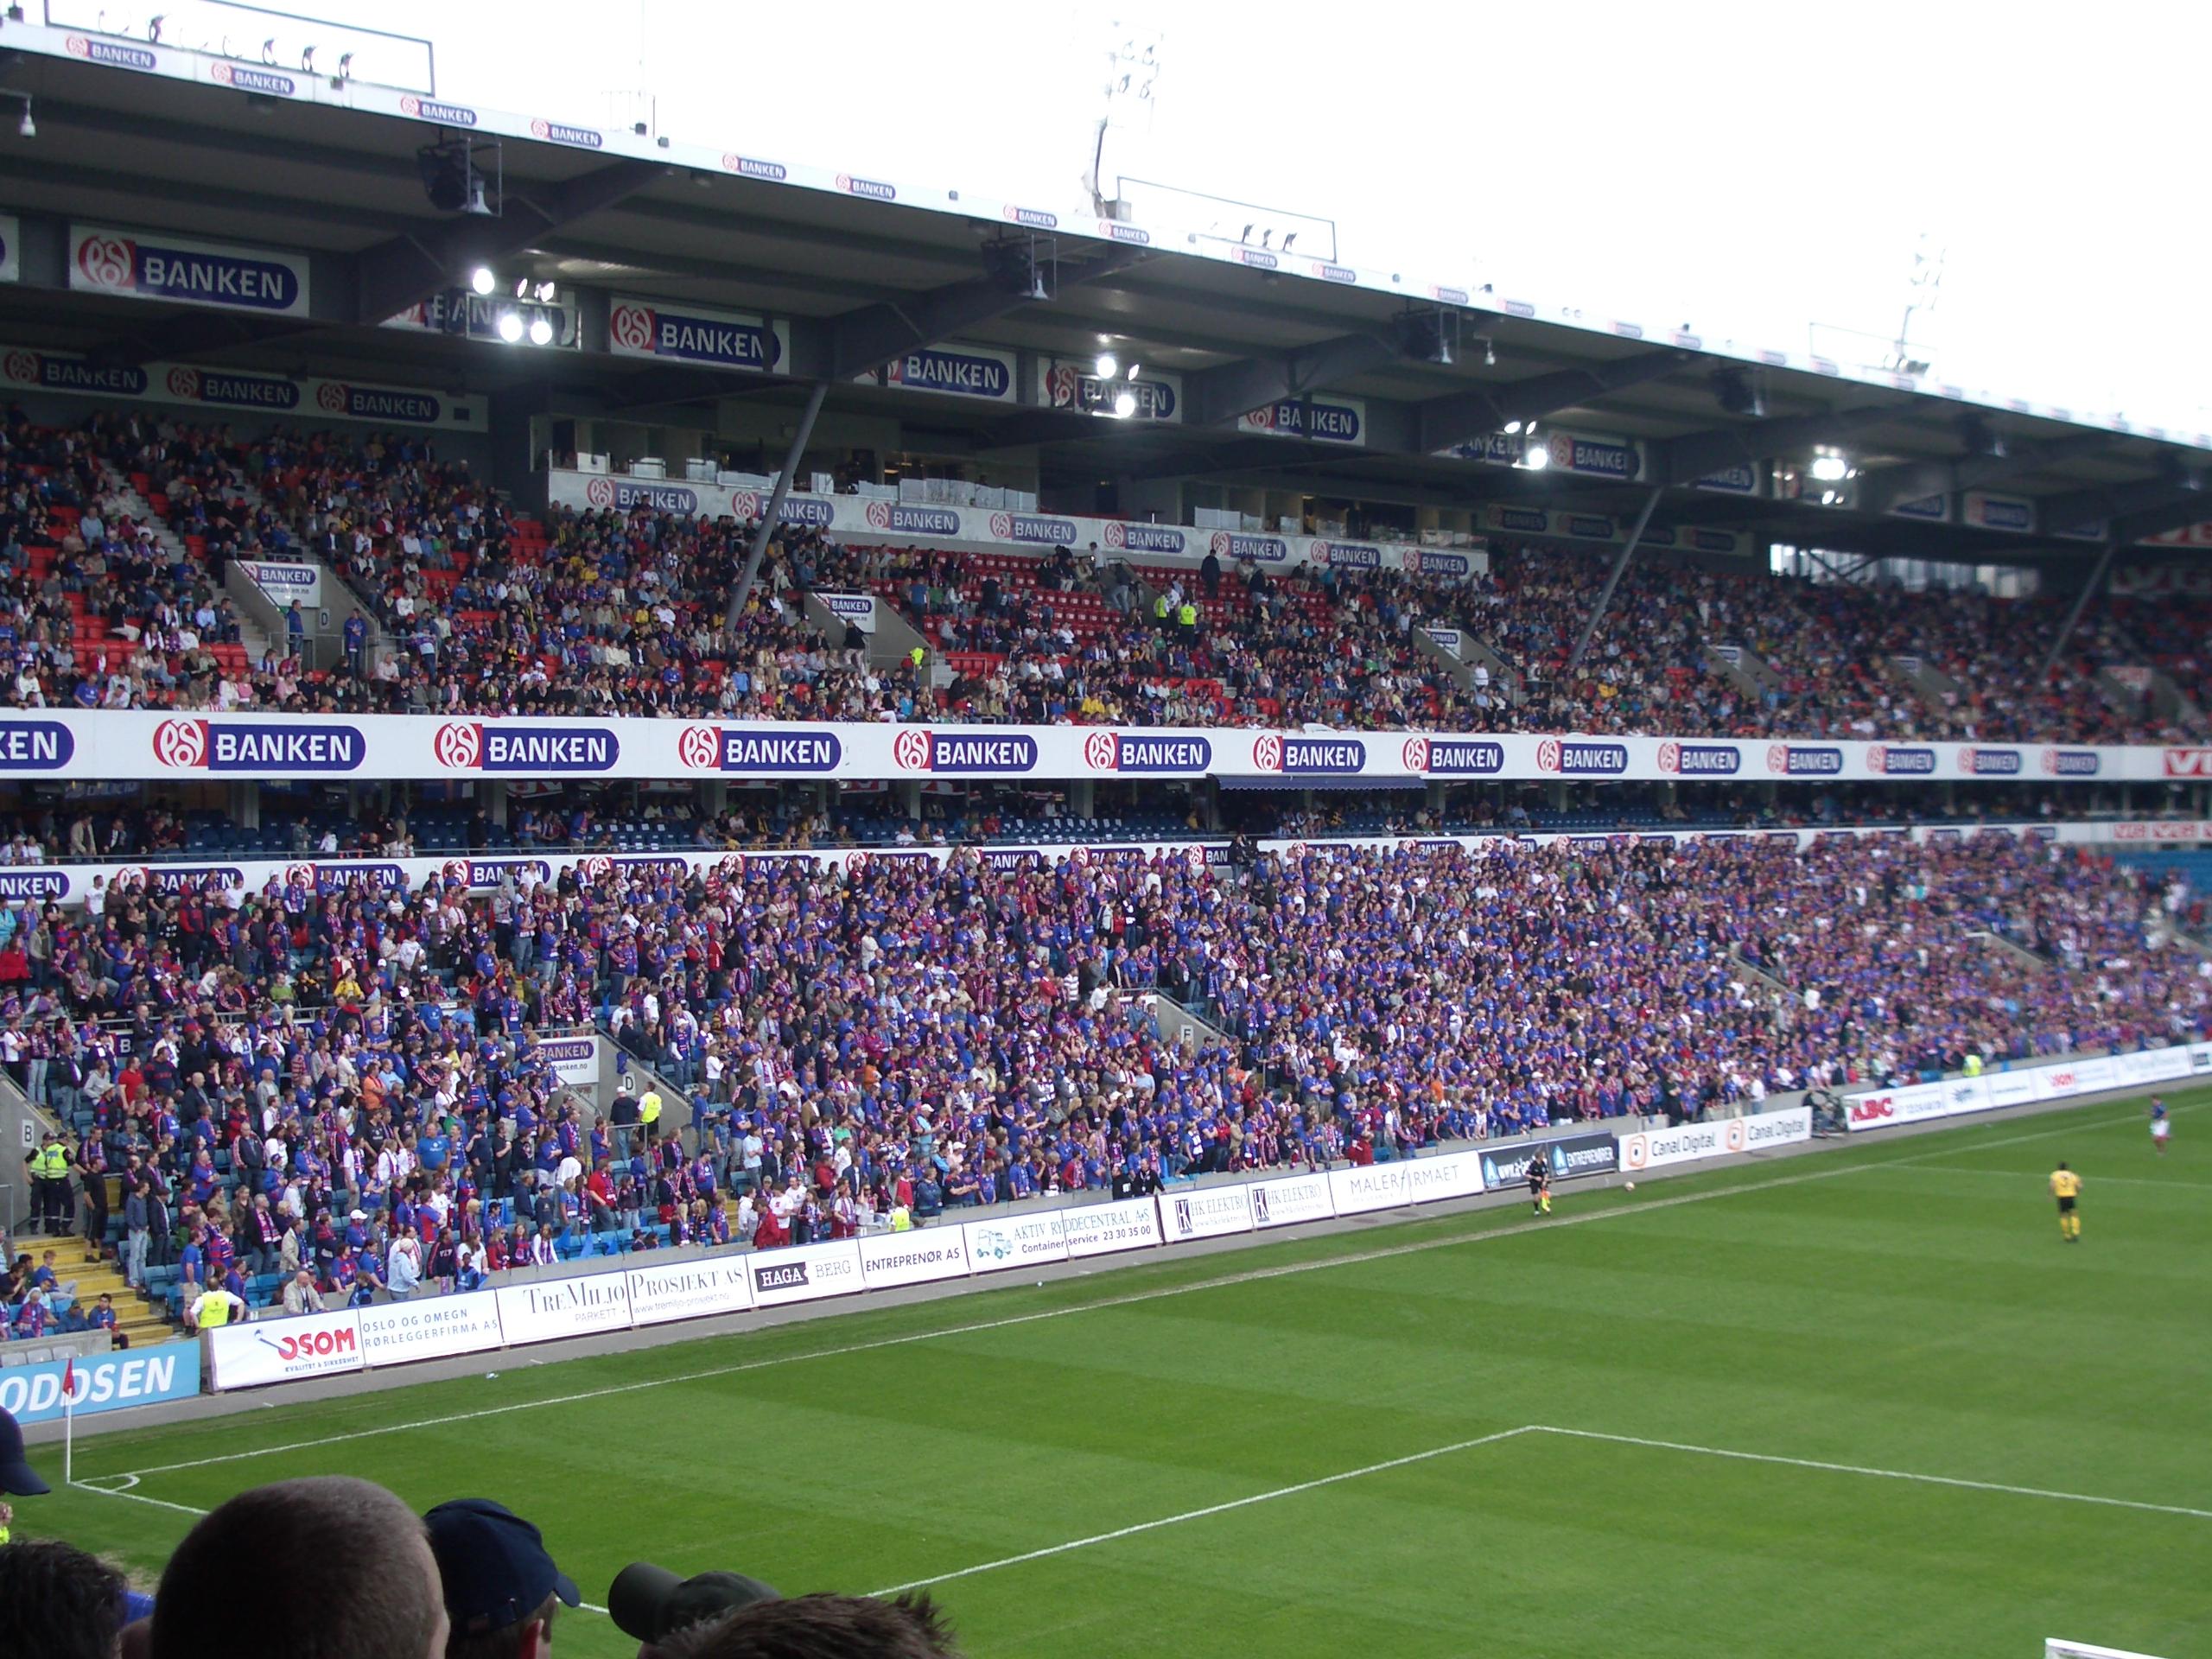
<point x="649" y="1104"/>
<point x="49" y="1174"/>
<point x="1159" y="612"/>
<point x="1187" y="618"/>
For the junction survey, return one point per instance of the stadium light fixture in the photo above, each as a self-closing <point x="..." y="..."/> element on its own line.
<point x="269" y="51"/>
<point x="1125" y="404"/>
<point x="481" y="279"/>
<point x="344" y="65"/>
<point x="509" y="327"/>
<point x="154" y="27"/>
<point x="306" y="59"/>
<point x="1133" y="370"/>
<point x="27" y="127"/>
<point x="541" y="331"/>
<point x="1535" y="457"/>
<point x="1511" y="428"/>
<point x="1830" y="469"/>
<point x="1108" y="366"/>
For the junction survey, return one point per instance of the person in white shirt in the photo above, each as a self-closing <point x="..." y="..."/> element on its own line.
<point x="402" y="1266"/>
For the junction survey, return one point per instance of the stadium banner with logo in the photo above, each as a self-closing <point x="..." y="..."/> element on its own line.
<point x="1016" y="1240"/>
<point x="954" y="368"/>
<point x="1376" y="1186"/>
<point x="1572" y="1157"/>
<point x="1887" y="1108"/>
<point x="804" y="1273"/>
<point x="1205" y="1212"/>
<point x="1063" y="383"/>
<point x="430" y="1327"/>
<point x="914" y="1257"/>
<point x="1684" y="1143"/>
<point x="857" y="518"/>
<point x="283" y="1351"/>
<point x="679" y="332"/>
<point x="691" y="1289"/>
<point x="1445" y="1175"/>
<point x="1294" y="1198"/>
<point x="540" y="1310"/>
<point x="110" y="1381"/>
<point x="1881" y="1109"/>
<point x="1582" y="454"/>
<point x="1315" y="418"/>
<point x="11" y="248"/>
<point x="282" y="583"/>
<point x="1786" y="1127"/>
<point x="32" y="369"/>
<point x="156" y="265"/>
<point x="1104" y="1229"/>
<point x="119" y="744"/>
<point x="857" y="609"/>
<point x="2082" y="1077"/>
<point x="466" y="314"/>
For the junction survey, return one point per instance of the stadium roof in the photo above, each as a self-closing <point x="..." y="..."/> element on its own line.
<point x="173" y="142"/>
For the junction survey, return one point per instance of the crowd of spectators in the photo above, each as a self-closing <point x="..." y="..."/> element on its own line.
<point x="473" y="608"/>
<point x="353" y="1085"/>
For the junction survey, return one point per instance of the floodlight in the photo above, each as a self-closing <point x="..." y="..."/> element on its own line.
<point x="1830" y="469"/>
<point x="541" y="331"/>
<point x="1125" y="404"/>
<point x="482" y="280"/>
<point x="509" y="327"/>
<point x="1108" y="367"/>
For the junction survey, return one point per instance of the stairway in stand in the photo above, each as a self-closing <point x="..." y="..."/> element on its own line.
<point x="134" y="1316"/>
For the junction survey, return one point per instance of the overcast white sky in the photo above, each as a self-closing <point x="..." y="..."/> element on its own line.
<point x="1747" y="169"/>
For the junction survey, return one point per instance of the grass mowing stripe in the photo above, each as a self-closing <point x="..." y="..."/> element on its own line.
<point x="1211" y="1509"/>
<point x="1880" y="1474"/>
<point x="1351" y="1259"/>
<point x="2019" y="1175"/>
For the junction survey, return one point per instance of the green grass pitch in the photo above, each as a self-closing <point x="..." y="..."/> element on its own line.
<point x="1896" y="1308"/>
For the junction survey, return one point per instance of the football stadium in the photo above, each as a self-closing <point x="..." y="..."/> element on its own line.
<point x="751" y="909"/>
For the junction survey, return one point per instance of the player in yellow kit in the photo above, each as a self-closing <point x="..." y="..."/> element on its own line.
<point x="2066" y="1187"/>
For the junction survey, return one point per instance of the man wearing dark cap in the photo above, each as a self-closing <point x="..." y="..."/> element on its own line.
<point x="17" y="1477"/>
<point x="651" y="1604"/>
<point x="500" y="1585"/>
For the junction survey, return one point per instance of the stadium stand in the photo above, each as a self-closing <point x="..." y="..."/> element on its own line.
<point x="907" y="1034"/>
<point x="482" y="610"/>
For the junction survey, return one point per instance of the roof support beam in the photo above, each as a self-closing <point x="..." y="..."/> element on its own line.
<point x="1463" y="416"/>
<point x="1219" y="396"/>
<point x="1614" y="577"/>
<point x="1885" y="487"/>
<point x="874" y="334"/>
<point x="395" y="274"/>
<point x="1699" y="455"/>
<point x="2081" y="604"/>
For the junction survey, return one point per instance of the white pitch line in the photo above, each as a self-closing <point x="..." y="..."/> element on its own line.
<point x="186" y="1509"/>
<point x="1880" y="1474"/>
<point x="1642" y="1206"/>
<point x="1210" y="1508"/>
<point x="1541" y="1429"/>
<point x="136" y="1498"/>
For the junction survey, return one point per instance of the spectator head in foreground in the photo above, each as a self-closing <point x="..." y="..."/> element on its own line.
<point x="500" y="1584"/>
<point x="343" y="1570"/>
<point x="16" y="1475"/>
<point x="821" y="1627"/>
<point x="650" y="1604"/>
<point x="56" y="1602"/>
